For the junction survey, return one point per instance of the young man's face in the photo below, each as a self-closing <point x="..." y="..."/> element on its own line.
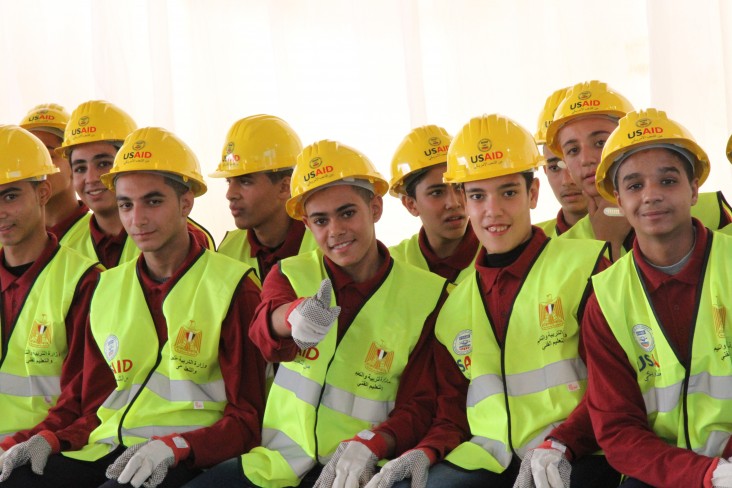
<point x="254" y="200"/>
<point x="88" y="163"/>
<point x="153" y="215"/>
<point x="655" y="193"/>
<point x="21" y="211"/>
<point x="343" y="225"/>
<point x="500" y="210"/>
<point x="439" y="205"/>
<point x="59" y="181"/>
<point x="582" y="141"/>
<point x="568" y="194"/>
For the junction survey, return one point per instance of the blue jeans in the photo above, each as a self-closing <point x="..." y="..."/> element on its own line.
<point x="229" y="474"/>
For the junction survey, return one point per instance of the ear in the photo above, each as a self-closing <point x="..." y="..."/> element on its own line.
<point x="534" y="193"/>
<point x="377" y="207"/>
<point x="283" y="190"/>
<point x="410" y="204"/>
<point x="43" y="192"/>
<point x="694" y="191"/>
<point x="186" y="203"/>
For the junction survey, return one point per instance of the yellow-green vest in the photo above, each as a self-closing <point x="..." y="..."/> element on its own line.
<point x="236" y="245"/>
<point x="690" y="409"/>
<point x="332" y="391"/>
<point x="409" y="251"/>
<point x="79" y="238"/>
<point x="161" y="388"/>
<point x="710" y="209"/>
<point x="549" y="227"/>
<point x="519" y="392"/>
<point x="30" y="367"/>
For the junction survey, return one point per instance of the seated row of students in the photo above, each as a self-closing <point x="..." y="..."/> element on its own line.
<point x="169" y="367"/>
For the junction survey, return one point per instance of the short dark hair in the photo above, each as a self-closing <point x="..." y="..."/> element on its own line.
<point x="179" y="188"/>
<point x="279" y="175"/>
<point x="411" y="181"/>
<point x="367" y="195"/>
<point x="529" y="177"/>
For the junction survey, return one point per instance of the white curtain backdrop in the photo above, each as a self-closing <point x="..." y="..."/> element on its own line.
<point x="365" y="72"/>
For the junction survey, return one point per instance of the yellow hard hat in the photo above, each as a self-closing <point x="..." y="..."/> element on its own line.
<point x="155" y="149"/>
<point x="587" y="98"/>
<point x="488" y="147"/>
<point x="645" y="129"/>
<point x="423" y="147"/>
<point x="547" y="114"/>
<point x="326" y="162"/>
<point x="22" y="156"/>
<point x="258" y="143"/>
<point x="96" y="121"/>
<point x="729" y="149"/>
<point x="46" y="116"/>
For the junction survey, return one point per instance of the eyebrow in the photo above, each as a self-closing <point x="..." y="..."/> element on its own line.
<point x="96" y="157"/>
<point x="664" y="169"/>
<point x="10" y="190"/>
<point x="338" y="210"/>
<point x="146" y="196"/>
<point x="592" y="134"/>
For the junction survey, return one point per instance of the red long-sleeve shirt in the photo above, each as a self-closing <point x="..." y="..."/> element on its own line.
<point x="414" y="406"/>
<point x="61" y="228"/>
<point x="242" y="368"/>
<point x="267" y="257"/>
<point x="451" y="266"/>
<point x="614" y="399"/>
<point x="501" y="277"/>
<point x="14" y="291"/>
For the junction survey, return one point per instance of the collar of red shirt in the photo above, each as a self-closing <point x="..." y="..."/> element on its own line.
<point x="98" y="236"/>
<point x="519" y="268"/>
<point x="194" y="251"/>
<point x="689" y="274"/>
<point x="27" y="278"/>
<point x="63" y="227"/>
<point x="458" y="260"/>
<point x="289" y="247"/>
<point x="341" y="280"/>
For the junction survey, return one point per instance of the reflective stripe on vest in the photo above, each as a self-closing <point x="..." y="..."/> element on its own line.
<point x="236" y="245"/>
<point x="541" y="373"/>
<point x="30" y="371"/>
<point x="333" y="391"/>
<point x="174" y="388"/>
<point x="409" y="251"/>
<point x="694" y="421"/>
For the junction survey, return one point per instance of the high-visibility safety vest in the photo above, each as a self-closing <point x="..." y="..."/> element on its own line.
<point x="236" y="245"/>
<point x="519" y="392"/>
<point x="161" y="388"/>
<point x="710" y="209"/>
<point x="409" y="251"/>
<point x="688" y="408"/>
<point x="332" y="391"/>
<point x="30" y="365"/>
<point x="549" y="227"/>
<point x="79" y="238"/>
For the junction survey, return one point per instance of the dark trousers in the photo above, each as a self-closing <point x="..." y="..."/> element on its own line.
<point x="63" y="472"/>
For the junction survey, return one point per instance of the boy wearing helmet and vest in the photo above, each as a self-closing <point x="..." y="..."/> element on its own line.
<point x="573" y="203"/>
<point x="166" y="346"/>
<point x="656" y="329"/>
<point x="348" y="390"/>
<point x="512" y="330"/>
<point x="257" y="161"/>
<point x="445" y="245"/>
<point x="94" y="133"/>
<point x="48" y="122"/>
<point x="46" y="290"/>
<point x="582" y="123"/>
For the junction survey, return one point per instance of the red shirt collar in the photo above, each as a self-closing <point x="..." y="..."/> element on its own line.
<point x="289" y="247"/>
<point x="27" y="278"/>
<point x="562" y="225"/>
<point x="194" y="250"/>
<point x="61" y="228"/>
<point x="458" y="260"/>
<point x="689" y="274"/>
<point x="98" y="236"/>
<point x="519" y="268"/>
<point x="342" y="280"/>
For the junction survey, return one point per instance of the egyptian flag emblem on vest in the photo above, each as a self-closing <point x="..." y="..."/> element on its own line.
<point x="379" y="359"/>
<point x="720" y="316"/>
<point x="41" y="335"/>
<point x="188" y="341"/>
<point x="551" y="314"/>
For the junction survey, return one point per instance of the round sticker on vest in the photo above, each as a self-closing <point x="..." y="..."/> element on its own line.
<point x="463" y="343"/>
<point x="644" y="337"/>
<point x="111" y="346"/>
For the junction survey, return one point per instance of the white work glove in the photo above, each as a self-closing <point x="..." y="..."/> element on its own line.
<point x="311" y="318"/>
<point x="413" y="464"/>
<point x="147" y="464"/>
<point x="352" y="466"/>
<point x="722" y="475"/>
<point x="546" y="466"/>
<point x="36" y="450"/>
